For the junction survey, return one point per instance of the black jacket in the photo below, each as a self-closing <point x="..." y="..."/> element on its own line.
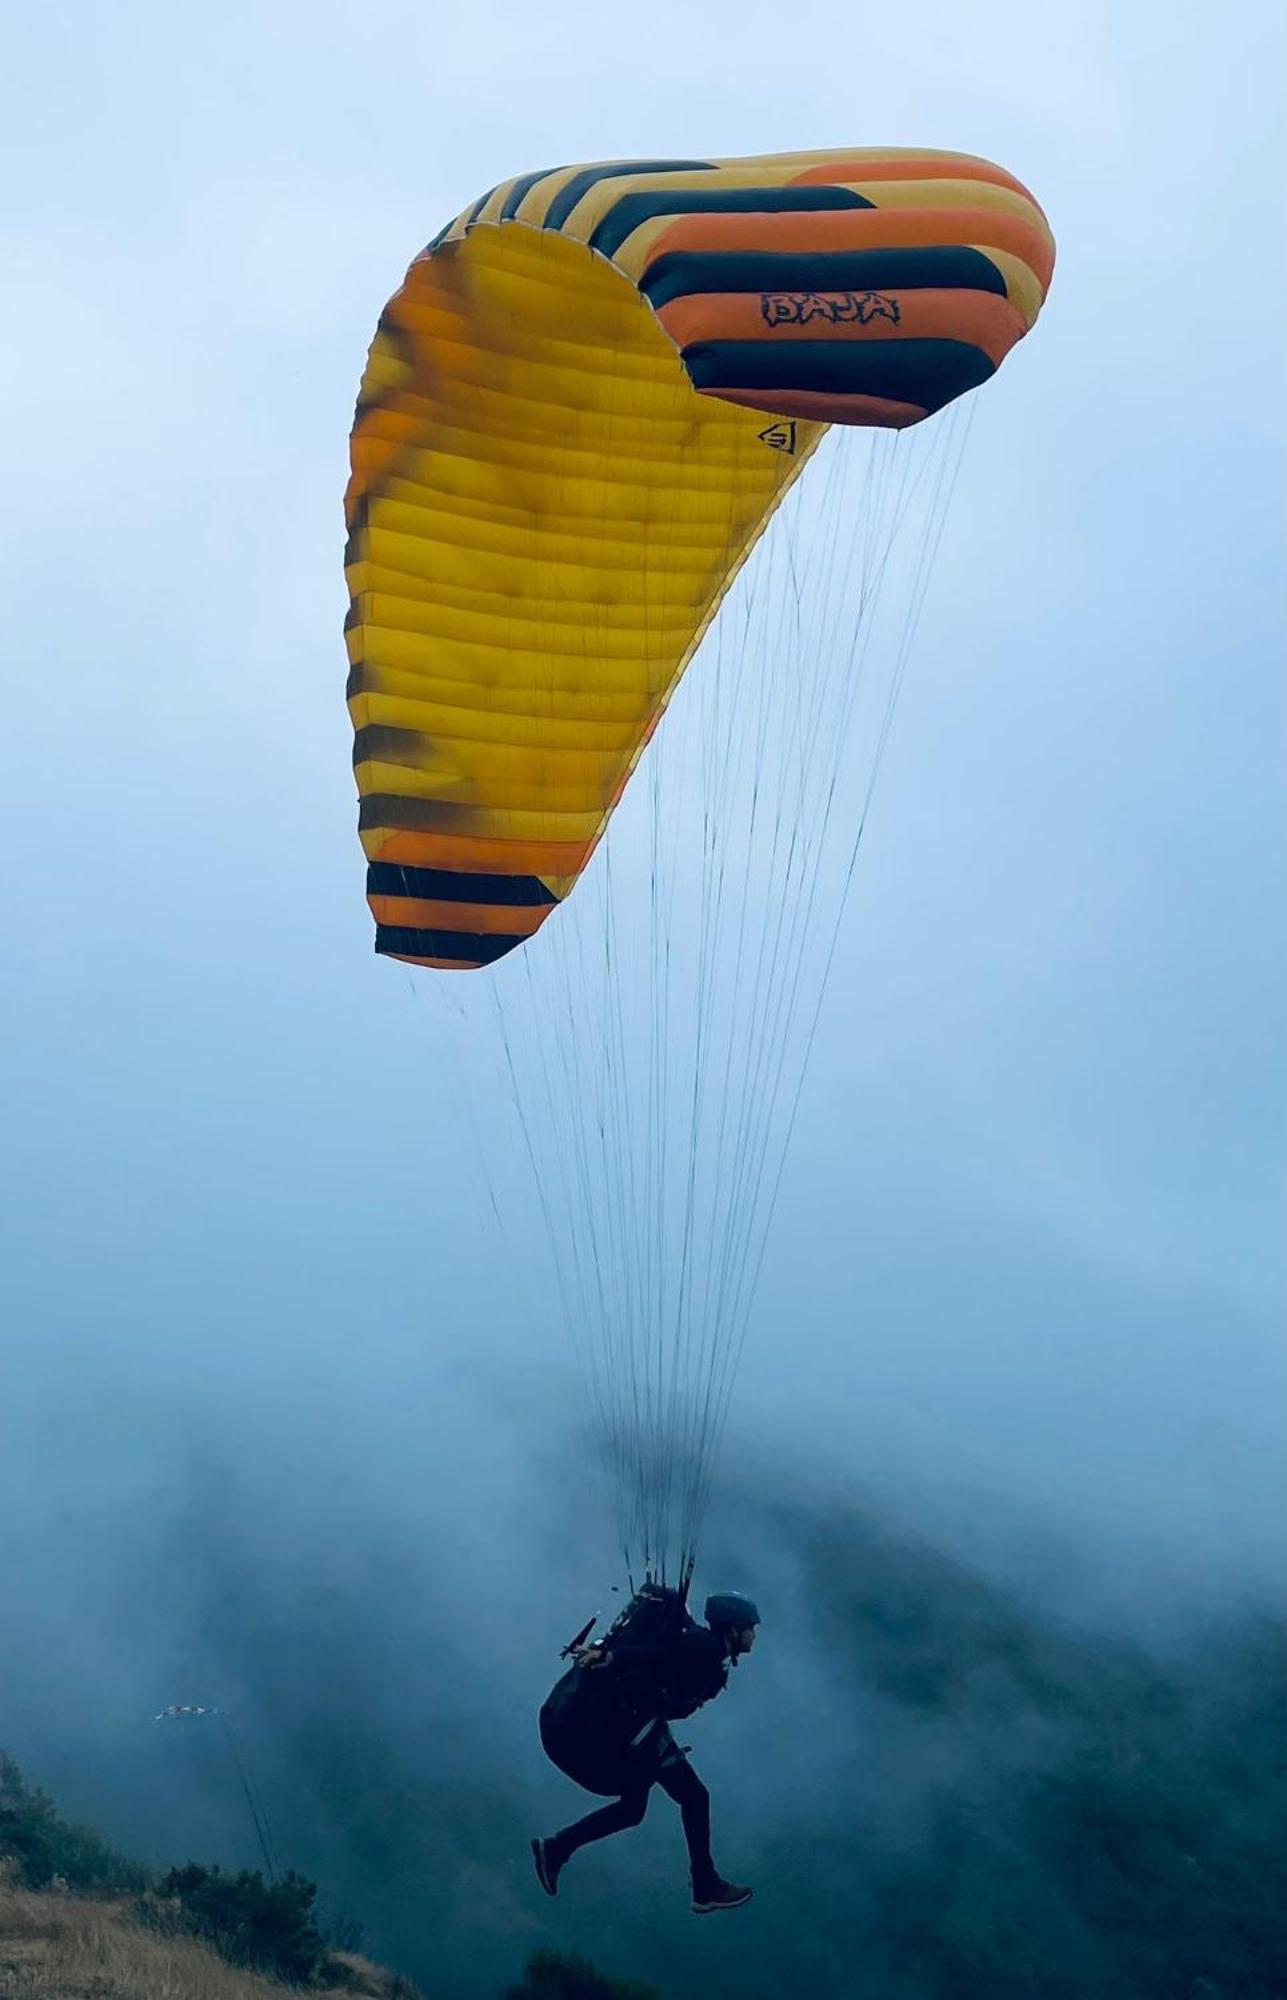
<point x="671" y="1677"/>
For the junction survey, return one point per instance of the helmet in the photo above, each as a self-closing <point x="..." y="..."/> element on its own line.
<point x="729" y="1611"/>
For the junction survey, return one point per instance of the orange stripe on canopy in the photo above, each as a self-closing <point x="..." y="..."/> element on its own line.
<point x="861" y="229"/>
<point x="930" y="167"/>
<point x="423" y="913"/>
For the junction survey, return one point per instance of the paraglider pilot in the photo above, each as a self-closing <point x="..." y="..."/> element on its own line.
<point x="606" y="1726"/>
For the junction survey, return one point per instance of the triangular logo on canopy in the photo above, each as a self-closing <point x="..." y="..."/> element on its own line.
<point x="781" y="437"/>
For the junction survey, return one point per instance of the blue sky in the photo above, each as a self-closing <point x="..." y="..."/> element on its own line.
<point x="1026" y="1277"/>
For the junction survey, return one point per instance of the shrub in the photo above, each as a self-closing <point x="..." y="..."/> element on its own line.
<point x="45" y="1847"/>
<point x="267" y="1925"/>
<point x="553" y="1975"/>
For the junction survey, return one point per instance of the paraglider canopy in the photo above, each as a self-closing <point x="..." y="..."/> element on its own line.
<point x="581" y="410"/>
<point x="560" y="461"/>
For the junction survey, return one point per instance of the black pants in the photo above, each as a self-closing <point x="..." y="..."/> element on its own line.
<point x="664" y="1764"/>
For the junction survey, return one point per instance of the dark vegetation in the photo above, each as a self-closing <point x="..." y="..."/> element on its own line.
<point x="46" y="1849"/>
<point x="553" y="1975"/>
<point x="269" y="1927"/>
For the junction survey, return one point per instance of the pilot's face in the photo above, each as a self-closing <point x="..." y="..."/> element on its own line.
<point x="743" y="1640"/>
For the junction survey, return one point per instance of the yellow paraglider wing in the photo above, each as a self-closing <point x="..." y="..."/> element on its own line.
<point x="577" y="417"/>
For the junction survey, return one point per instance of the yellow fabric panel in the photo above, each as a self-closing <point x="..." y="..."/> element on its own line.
<point x="580" y="780"/>
<point x="561" y="731"/>
<point x="610" y="505"/>
<point x="1023" y="287"/>
<point x="378" y="691"/>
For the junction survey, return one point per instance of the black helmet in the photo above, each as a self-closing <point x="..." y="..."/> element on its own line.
<point x="729" y="1611"/>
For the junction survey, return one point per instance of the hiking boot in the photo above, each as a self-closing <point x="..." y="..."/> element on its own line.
<point x="719" y="1895"/>
<point x="547" y="1868"/>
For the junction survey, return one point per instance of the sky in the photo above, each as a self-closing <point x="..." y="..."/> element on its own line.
<point x="1025" y="1287"/>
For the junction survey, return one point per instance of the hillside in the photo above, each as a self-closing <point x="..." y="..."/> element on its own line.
<point x="58" y="1947"/>
<point x="81" y="1921"/>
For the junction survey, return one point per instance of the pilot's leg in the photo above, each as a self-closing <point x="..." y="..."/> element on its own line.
<point x="615" y="1818"/>
<point x="681" y="1783"/>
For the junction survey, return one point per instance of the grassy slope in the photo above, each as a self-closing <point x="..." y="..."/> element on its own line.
<point x="56" y="1947"/>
